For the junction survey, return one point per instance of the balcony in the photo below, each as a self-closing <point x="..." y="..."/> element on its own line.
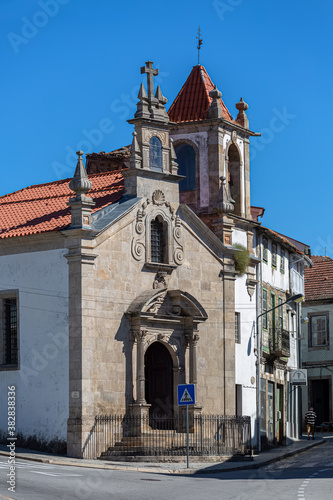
<point x="296" y="282"/>
<point x="279" y="342"/>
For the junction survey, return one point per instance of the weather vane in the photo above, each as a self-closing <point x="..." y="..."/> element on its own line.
<point x="199" y="42"/>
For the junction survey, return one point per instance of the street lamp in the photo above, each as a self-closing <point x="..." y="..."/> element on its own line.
<point x="294" y="298"/>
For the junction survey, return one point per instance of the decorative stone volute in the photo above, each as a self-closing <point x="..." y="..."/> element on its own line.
<point x="215" y="110"/>
<point x="241" y="117"/>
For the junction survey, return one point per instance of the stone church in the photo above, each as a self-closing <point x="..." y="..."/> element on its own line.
<point x="120" y="283"/>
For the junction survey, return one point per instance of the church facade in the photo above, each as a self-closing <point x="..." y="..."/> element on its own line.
<point x="121" y="284"/>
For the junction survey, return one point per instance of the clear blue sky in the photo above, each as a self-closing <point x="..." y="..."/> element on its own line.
<point x="71" y="67"/>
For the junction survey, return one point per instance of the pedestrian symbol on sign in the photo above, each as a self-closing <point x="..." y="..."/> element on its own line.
<point x="186" y="398"/>
<point x="186" y="394"/>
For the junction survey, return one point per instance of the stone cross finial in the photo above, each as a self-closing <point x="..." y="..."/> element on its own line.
<point x="150" y="77"/>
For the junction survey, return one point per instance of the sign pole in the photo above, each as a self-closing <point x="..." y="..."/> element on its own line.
<point x="187" y="432"/>
<point x="186" y="396"/>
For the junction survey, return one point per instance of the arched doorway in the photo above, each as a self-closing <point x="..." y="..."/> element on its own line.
<point x="159" y="380"/>
<point x="235" y="177"/>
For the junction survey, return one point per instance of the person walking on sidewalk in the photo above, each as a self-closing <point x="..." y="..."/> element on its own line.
<point x="310" y="418"/>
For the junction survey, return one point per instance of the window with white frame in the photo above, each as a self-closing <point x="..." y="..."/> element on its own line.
<point x="318" y="330"/>
<point x="282" y="260"/>
<point x="274" y="255"/>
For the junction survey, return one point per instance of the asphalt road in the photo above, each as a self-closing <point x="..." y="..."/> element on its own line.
<point x="306" y="476"/>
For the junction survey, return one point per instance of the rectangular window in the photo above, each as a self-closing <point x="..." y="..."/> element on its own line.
<point x="282" y="261"/>
<point x="264" y="309"/>
<point x="280" y="309"/>
<point x="157" y="241"/>
<point x="265" y="250"/>
<point x="237" y="328"/>
<point x="263" y="406"/>
<point x="273" y="313"/>
<point x="9" y="331"/>
<point x="274" y="252"/>
<point x="318" y="331"/>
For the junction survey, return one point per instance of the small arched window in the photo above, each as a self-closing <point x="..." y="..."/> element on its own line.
<point x="157" y="241"/>
<point x="235" y="178"/>
<point x="155" y="154"/>
<point x="186" y="166"/>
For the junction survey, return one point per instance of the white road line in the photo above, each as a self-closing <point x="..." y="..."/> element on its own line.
<point x="55" y="475"/>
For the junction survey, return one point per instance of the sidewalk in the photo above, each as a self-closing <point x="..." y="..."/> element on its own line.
<point x="265" y="458"/>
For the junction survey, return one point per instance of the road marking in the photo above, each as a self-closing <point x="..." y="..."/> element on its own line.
<point x="300" y="493"/>
<point x="55" y="475"/>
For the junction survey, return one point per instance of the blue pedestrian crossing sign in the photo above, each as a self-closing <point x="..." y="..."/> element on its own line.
<point x="186" y="394"/>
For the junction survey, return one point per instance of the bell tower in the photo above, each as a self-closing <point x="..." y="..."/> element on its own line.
<point x="217" y="170"/>
<point x="153" y="160"/>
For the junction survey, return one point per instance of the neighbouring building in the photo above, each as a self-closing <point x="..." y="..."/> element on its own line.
<point x="281" y="275"/>
<point x="147" y="270"/>
<point x="317" y="338"/>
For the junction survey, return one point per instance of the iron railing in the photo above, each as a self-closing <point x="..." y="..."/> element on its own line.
<point x="209" y="435"/>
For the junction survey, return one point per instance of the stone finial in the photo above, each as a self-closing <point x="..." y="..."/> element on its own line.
<point x="142" y="92"/>
<point x="142" y="105"/>
<point x="80" y="204"/>
<point x="160" y="97"/>
<point x="215" y="109"/>
<point x="242" y="119"/>
<point x="135" y="159"/>
<point x="80" y="183"/>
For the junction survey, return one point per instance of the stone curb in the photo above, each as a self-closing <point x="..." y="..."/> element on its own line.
<point x="159" y="470"/>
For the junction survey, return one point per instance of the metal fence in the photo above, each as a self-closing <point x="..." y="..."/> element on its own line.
<point x="209" y="435"/>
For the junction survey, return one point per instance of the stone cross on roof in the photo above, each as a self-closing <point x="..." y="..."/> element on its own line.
<point x="150" y="77"/>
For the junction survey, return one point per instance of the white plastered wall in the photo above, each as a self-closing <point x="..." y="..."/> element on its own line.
<point x="244" y="352"/>
<point x="41" y="381"/>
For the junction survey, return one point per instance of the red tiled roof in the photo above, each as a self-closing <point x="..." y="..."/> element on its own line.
<point x="106" y="162"/>
<point x="43" y="207"/>
<point x="319" y="279"/>
<point x="193" y="101"/>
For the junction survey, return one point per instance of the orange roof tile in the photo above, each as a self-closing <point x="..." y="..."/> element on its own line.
<point x="319" y="279"/>
<point x="193" y="101"/>
<point x="43" y="207"/>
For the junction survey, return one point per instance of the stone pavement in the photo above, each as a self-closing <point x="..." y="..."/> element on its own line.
<point x="264" y="458"/>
